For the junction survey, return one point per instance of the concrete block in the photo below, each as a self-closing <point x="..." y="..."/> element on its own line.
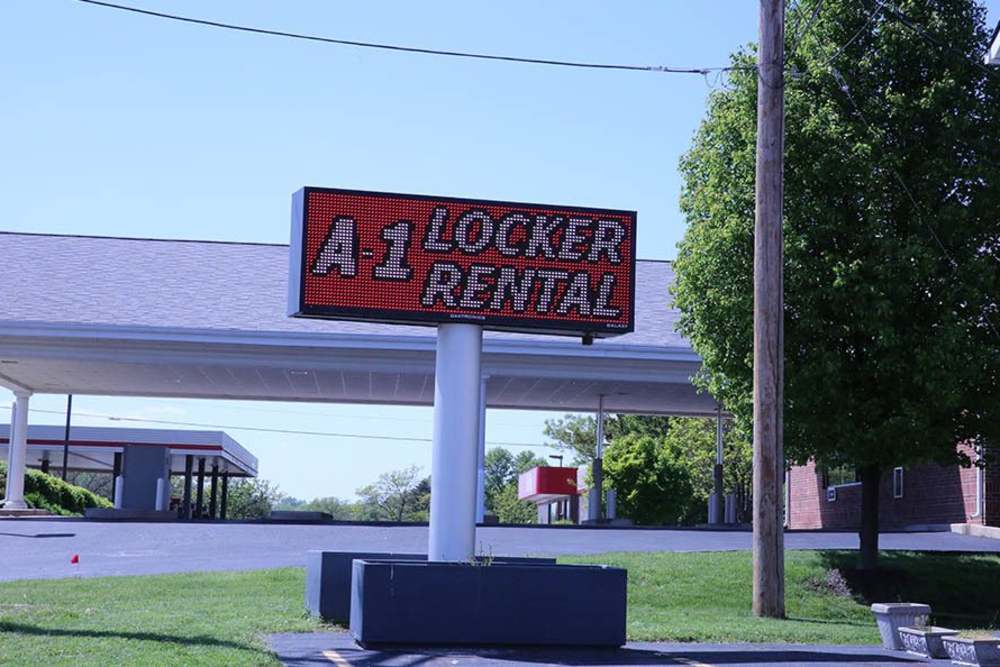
<point x="328" y="578"/>
<point x="435" y="603"/>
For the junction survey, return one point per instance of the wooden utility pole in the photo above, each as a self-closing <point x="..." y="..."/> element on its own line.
<point x="768" y="322"/>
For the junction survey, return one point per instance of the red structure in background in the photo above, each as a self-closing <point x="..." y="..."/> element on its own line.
<point x="553" y="490"/>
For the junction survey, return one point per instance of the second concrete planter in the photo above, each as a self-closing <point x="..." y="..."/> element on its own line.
<point x="435" y="603"/>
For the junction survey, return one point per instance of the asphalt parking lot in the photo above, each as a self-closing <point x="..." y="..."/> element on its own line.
<point x="42" y="549"/>
<point x="318" y="649"/>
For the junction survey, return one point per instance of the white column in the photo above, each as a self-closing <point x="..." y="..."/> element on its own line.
<point x="17" y="452"/>
<point x="597" y="469"/>
<point x="457" y="380"/>
<point x="481" y="456"/>
<point x="161" y="499"/>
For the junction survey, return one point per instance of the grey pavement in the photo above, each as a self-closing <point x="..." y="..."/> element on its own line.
<point x="327" y="648"/>
<point x="41" y="549"/>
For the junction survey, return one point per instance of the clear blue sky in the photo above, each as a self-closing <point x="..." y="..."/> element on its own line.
<point x="117" y="124"/>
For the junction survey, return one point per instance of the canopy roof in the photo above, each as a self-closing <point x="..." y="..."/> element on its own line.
<point x="198" y="319"/>
<point x="92" y="448"/>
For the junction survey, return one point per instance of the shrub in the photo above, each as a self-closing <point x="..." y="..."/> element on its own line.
<point x="49" y="493"/>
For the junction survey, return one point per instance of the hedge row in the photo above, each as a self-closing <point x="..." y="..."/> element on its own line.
<point x="50" y="493"/>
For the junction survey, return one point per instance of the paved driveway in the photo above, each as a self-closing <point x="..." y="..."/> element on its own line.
<point x="337" y="649"/>
<point x="41" y="549"/>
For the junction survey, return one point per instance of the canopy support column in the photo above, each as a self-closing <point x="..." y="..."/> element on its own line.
<point x="481" y="457"/>
<point x="17" y="452"/>
<point x="116" y="472"/>
<point x="200" y="490"/>
<point x="597" y="470"/>
<point x="225" y="496"/>
<point x="457" y="379"/>
<point x="188" y="471"/>
<point x="213" y="495"/>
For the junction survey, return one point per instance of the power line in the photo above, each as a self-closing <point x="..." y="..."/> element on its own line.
<point x="261" y="429"/>
<point x="663" y="69"/>
<point x="912" y="25"/>
<point x="871" y="17"/>
<point x="351" y="415"/>
<point x="799" y="36"/>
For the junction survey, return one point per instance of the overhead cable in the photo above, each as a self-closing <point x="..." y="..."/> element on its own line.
<point x="663" y="69"/>
<point x="846" y="89"/>
<point x="261" y="429"/>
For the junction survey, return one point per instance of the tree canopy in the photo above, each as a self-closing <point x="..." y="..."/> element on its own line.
<point x="892" y="238"/>
<point x="578" y="433"/>
<point x="398" y="495"/>
<point x="502" y="469"/>
<point x="651" y="479"/>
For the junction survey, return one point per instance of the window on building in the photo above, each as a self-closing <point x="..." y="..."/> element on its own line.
<point x="897" y="482"/>
<point x="840" y="475"/>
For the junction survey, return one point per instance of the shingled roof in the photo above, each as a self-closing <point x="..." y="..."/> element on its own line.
<point x="201" y="285"/>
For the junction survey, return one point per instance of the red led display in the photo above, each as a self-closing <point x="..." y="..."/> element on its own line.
<point x="416" y="259"/>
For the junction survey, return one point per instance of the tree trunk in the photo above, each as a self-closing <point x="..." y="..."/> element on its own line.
<point x="868" y="557"/>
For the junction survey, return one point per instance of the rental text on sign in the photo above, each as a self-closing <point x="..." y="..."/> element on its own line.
<point x="418" y="259"/>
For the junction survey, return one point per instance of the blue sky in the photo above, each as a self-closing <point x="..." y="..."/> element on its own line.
<point x="117" y="124"/>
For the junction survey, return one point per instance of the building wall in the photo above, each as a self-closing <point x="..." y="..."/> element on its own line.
<point x="932" y="494"/>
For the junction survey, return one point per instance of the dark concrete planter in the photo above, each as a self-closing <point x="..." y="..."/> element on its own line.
<point x="298" y="515"/>
<point x="400" y="602"/>
<point x="328" y="579"/>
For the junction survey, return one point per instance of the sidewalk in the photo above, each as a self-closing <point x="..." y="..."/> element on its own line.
<point x="316" y="649"/>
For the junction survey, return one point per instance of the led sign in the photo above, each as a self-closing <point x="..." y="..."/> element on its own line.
<point x="412" y="259"/>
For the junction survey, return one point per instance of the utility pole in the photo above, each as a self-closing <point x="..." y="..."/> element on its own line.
<point x="768" y="319"/>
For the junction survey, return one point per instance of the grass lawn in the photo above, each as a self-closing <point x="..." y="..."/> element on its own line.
<point x="706" y="596"/>
<point x="221" y="618"/>
<point x="178" y="619"/>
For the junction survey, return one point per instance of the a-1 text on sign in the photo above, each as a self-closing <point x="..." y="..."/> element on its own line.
<point x="412" y="259"/>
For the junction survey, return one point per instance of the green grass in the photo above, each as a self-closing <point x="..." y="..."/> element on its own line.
<point x="707" y="596"/>
<point x="222" y="618"/>
<point x="186" y="619"/>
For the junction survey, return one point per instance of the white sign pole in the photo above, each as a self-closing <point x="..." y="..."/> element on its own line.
<point x="454" y="456"/>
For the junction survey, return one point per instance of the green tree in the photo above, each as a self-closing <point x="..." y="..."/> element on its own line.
<point x="338" y="509"/>
<point x="578" y="433"/>
<point x="574" y="433"/>
<point x="619" y="425"/>
<point x="694" y="439"/>
<point x="651" y="479"/>
<point x="527" y="460"/>
<point x="399" y="495"/>
<point x="502" y="469"/>
<point x="251" y="498"/>
<point x="509" y="509"/>
<point x="499" y="471"/>
<point x="892" y="239"/>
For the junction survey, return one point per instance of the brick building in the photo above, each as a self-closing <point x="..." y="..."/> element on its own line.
<point x="920" y="495"/>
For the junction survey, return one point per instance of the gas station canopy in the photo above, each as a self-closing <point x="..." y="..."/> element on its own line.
<point x="198" y="319"/>
<point x="93" y="448"/>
